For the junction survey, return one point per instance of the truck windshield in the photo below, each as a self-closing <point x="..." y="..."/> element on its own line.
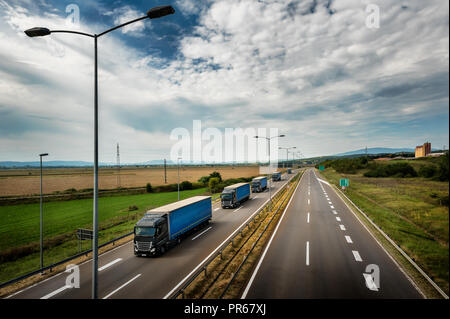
<point x="145" y="231"/>
<point x="226" y="196"/>
<point x="256" y="183"/>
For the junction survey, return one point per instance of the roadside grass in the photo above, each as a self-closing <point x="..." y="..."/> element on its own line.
<point x="19" y="231"/>
<point x="405" y="211"/>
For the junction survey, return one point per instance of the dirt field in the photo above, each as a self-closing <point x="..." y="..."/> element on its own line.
<point x="26" y="181"/>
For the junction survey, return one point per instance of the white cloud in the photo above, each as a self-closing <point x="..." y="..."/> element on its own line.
<point x="315" y="76"/>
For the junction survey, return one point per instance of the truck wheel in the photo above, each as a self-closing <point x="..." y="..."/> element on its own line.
<point x="162" y="250"/>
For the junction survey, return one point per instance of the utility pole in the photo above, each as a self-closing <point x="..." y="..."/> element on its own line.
<point x="118" y="166"/>
<point x="42" y="223"/>
<point x="165" y="172"/>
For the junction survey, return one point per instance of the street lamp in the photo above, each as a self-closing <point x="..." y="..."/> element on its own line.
<point x="154" y="13"/>
<point x="178" y="164"/>
<point x="270" y="175"/>
<point x="287" y="153"/>
<point x="42" y="223"/>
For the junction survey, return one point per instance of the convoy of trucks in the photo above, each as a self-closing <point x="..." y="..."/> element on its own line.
<point x="259" y="184"/>
<point x="276" y="176"/>
<point x="232" y="196"/>
<point x="165" y="226"/>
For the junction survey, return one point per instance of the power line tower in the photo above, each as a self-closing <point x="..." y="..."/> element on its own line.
<point x="118" y="166"/>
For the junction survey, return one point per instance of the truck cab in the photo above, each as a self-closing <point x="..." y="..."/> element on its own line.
<point x="228" y="198"/>
<point x="233" y="195"/>
<point x="151" y="234"/>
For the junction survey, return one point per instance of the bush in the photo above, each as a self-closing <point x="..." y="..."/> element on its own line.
<point x="204" y="180"/>
<point x="216" y="175"/>
<point x="148" y="188"/>
<point x="186" y="185"/>
<point x="213" y="183"/>
<point x="397" y="170"/>
<point x="442" y="171"/>
<point x="132" y="207"/>
<point x="427" y="171"/>
<point x="346" y="165"/>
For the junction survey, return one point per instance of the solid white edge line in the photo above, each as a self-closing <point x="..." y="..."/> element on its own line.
<point x="201" y="233"/>
<point x="244" y="295"/>
<point x="109" y="264"/>
<point x="57" y="291"/>
<point x="129" y="281"/>
<point x="218" y="247"/>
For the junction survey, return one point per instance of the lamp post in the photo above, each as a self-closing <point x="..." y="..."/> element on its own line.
<point x="42" y="218"/>
<point x="154" y="13"/>
<point x="178" y="164"/>
<point x="270" y="175"/>
<point x="287" y="153"/>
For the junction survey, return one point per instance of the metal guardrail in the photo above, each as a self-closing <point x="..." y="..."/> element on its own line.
<point x="203" y="268"/>
<point x="50" y="267"/>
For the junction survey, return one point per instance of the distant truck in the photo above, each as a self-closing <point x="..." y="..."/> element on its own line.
<point x="232" y="196"/>
<point x="276" y="176"/>
<point x="289" y="171"/>
<point x="165" y="226"/>
<point x="259" y="184"/>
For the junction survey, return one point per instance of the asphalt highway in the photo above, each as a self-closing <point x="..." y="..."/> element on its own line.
<point x="321" y="250"/>
<point x="123" y="275"/>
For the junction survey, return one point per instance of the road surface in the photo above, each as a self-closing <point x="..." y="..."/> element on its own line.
<point x="321" y="250"/>
<point x="123" y="275"/>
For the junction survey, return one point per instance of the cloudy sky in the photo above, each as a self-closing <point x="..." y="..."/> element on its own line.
<point x="313" y="69"/>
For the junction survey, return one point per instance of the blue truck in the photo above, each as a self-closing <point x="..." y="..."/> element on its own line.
<point x="276" y="176"/>
<point x="232" y="196"/>
<point x="259" y="184"/>
<point x="165" y="226"/>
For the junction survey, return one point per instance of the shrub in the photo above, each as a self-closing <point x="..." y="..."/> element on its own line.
<point x="186" y="185"/>
<point x="442" y="171"/>
<point x="132" y="207"/>
<point x="213" y="183"/>
<point x="148" y="188"/>
<point x="204" y="180"/>
<point x="216" y="175"/>
<point x="427" y="171"/>
<point x="396" y="169"/>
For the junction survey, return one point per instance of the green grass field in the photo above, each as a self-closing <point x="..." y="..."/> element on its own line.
<point x="19" y="228"/>
<point x="410" y="212"/>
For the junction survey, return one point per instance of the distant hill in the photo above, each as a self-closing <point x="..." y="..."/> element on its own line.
<point x="378" y="150"/>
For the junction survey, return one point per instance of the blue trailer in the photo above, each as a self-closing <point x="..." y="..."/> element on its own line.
<point x="276" y="176"/>
<point x="232" y="196"/>
<point x="259" y="184"/>
<point x="165" y="226"/>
